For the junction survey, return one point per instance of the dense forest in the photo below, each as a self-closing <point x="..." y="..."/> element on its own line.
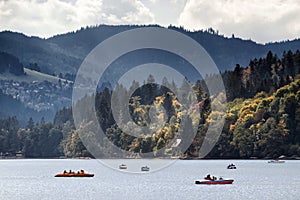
<point x="262" y="118"/>
<point x="10" y="63"/>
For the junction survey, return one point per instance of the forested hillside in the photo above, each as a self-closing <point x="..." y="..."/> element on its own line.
<point x="262" y="118"/>
<point x="267" y="125"/>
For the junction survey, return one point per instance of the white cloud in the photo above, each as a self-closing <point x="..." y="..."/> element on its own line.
<point x="128" y="11"/>
<point x="165" y="12"/>
<point x="46" y="18"/>
<point x="262" y="21"/>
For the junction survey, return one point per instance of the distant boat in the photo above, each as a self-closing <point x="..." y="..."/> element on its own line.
<point x="145" y="169"/>
<point x="231" y="166"/>
<point x="122" y="166"/>
<point x="276" y="161"/>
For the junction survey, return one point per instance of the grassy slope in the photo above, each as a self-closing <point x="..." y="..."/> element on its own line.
<point x="30" y="76"/>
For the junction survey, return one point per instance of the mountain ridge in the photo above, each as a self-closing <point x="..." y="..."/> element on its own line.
<point x="65" y="52"/>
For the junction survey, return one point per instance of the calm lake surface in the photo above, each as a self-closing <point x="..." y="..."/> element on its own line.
<point x="253" y="179"/>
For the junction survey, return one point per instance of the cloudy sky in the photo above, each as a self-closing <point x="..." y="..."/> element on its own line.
<point x="259" y="20"/>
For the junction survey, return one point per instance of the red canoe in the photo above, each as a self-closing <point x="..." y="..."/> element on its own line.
<point x="74" y="175"/>
<point x="215" y="182"/>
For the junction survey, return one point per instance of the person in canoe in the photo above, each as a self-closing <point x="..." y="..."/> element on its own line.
<point x="208" y="177"/>
<point x="82" y="171"/>
<point x="65" y="172"/>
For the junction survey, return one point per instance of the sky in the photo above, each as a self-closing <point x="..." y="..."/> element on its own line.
<point x="262" y="21"/>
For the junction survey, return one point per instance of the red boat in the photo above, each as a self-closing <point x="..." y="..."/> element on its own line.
<point x="215" y="182"/>
<point x="208" y="180"/>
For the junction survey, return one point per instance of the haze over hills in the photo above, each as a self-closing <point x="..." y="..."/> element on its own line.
<point x="64" y="53"/>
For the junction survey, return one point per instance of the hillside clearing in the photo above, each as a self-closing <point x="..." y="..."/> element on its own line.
<point x="31" y="76"/>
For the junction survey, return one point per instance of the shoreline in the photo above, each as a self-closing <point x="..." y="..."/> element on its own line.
<point x="89" y="158"/>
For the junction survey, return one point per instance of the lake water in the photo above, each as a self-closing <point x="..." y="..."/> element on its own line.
<point x="253" y="179"/>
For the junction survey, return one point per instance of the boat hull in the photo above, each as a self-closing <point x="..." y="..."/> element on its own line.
<point x="145" y="169"/>
<point x="122" y="166"/>
<point x="214" y="182"/>
<point x="231" y="167"/>
<point x="74" y="175"/>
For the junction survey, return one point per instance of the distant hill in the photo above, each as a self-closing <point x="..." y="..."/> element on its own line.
<point x="64" y="53"/>
<point x="48" y="55"/>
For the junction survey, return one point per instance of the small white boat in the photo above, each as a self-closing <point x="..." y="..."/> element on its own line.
<point x="276" y="161"/>
<point x="145" y="169"/>
<point x="122" y="166"/>
<point x="231" y="166"/>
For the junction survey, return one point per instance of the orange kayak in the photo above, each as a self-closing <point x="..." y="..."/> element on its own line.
<point x="74" y="175"/>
